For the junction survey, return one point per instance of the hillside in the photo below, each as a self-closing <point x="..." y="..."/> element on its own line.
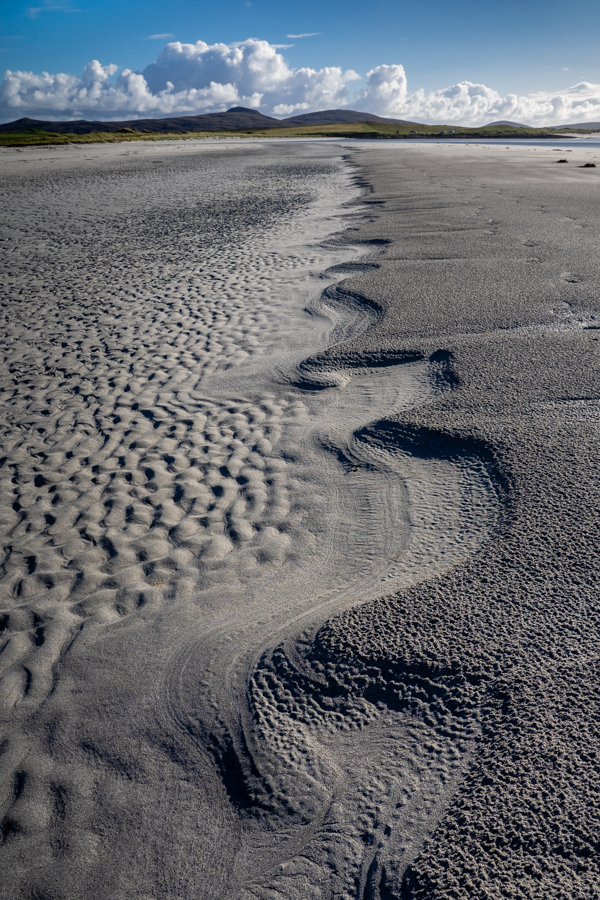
<point x="238" y="118"/>
<point x="338" y="117"/>
<point x="247" y="123"/>
<point x="582" y="126"/>
<point x="506" y="122"/>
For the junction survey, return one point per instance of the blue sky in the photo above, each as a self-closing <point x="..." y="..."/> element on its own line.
<point x="511" y="48"/>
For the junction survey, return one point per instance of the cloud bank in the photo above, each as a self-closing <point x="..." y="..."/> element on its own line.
<point x="189" y="79"/>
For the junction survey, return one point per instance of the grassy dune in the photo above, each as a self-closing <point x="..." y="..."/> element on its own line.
<point x="378" y="129"/>
<point x="374" y="130"/>
<point x="35" y="137"/>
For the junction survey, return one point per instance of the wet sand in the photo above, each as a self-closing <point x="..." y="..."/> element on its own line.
<point x="298" y="493"/>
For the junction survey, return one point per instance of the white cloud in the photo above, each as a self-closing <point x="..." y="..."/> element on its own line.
<point x="386" y="91"/>
<point x="196" y="78"/>
<point x="308" y="34"/>
<point x="184" y="79"/>
<point x="159" y="37"/>
<point x="472" y="104"/>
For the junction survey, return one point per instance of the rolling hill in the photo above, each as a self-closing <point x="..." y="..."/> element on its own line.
<point x="338" y="117"/>
<point x="238" y="118"/>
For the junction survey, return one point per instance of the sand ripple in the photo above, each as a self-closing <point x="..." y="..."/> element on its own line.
<point x="181" y="498"/>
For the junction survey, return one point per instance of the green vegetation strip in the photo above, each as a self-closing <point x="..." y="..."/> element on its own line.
<point x="37" y="137"/>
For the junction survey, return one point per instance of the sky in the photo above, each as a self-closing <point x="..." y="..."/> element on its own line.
<point x="463" y="62"/>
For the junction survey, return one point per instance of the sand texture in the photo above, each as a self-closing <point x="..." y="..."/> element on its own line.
<point x="298" y="504"/>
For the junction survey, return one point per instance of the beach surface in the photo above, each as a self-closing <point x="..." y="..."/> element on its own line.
<point x="298" y="500"/>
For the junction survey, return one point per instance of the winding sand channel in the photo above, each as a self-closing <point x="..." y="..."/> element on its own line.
<point x="188" y="495"/>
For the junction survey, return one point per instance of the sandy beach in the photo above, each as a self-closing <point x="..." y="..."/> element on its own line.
<point x="298" y="500"/>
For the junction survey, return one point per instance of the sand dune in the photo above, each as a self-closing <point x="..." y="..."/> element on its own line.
<point x="242" y="402"/>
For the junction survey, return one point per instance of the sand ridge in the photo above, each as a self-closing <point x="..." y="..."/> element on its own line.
<point x="491" y="256"/>
<point x="203" y="463"/>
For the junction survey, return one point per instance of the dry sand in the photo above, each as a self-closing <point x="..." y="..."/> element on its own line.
<point x="298" y="483"/>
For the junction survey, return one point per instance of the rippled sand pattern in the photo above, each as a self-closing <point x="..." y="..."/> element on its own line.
<point x="179" y="502"/>
<point x="116" y="472"/>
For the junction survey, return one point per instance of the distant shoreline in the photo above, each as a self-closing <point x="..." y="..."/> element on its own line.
<point x="19" y="140"/>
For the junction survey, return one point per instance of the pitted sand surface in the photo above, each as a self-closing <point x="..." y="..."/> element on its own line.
<point x="218" y="456"/>
<point x="493" y="258"/>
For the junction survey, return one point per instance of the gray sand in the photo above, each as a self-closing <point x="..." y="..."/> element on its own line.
<point x="298" y="488"/>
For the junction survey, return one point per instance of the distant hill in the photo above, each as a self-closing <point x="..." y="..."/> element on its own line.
<point x="339" y="117"/>
<point x="588" y="126"/>
<point x="238" y="118"/>
<point x="506" y="122"/>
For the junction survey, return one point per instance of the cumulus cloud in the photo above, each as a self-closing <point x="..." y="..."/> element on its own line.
<point x="188" y="79"/>
<point x="254" y="69"/>
<point x="471" y="104"/>
<point x="184" y="79"/>
<point x="386" y="91"/>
